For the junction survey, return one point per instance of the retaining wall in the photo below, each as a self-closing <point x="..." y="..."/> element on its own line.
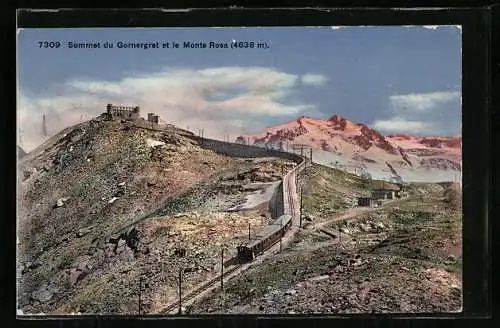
<point x="242" y="151"/>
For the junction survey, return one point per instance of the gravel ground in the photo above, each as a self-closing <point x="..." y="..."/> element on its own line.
<point x="384" y="261"/>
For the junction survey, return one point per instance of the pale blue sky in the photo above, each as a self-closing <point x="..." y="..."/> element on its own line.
<point x="396" y="79"/>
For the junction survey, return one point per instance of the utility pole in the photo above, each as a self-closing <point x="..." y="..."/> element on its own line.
<point x="140" y="291"/>
<point x="311" y="154"/>
<point x="248" y="231"/>
<point x="180" y="290"/>
<point x="305" y="166"/>
<point x="222" y="269"/>
<point x="281" y="234"/>
<point x="340" y="234"/>
<point x="300" y="218"/>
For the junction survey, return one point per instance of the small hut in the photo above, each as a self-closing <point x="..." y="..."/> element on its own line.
<point x="366" y="201"/>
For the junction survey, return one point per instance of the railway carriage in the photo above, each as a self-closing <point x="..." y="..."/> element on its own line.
<point x="265" y="239"/>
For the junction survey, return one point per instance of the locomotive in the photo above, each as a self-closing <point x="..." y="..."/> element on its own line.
<point x="265" y="239"/>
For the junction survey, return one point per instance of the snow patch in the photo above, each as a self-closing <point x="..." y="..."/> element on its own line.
<point x="154" y="143"/>
<point x="255" y="199"/>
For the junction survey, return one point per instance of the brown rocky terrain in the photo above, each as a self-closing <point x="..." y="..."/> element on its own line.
<point x="110" y="213"/>
<point x="402" y="257"/>
<point x="105" y="204"/>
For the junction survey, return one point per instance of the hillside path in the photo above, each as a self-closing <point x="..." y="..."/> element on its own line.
<point x="350" y="213"/>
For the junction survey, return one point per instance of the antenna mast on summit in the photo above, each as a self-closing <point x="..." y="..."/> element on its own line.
<point x="21" y="131"/>
<point x="44" y="126"/>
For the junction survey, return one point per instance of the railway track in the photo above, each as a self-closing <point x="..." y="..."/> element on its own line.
<point x="205" y="286"/>
<point x="199" y="290"/>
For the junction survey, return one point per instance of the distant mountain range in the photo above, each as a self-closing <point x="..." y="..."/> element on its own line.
<point x="356" y="148"/>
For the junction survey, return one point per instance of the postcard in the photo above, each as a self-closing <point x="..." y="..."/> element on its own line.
<point x="239" y="170"/>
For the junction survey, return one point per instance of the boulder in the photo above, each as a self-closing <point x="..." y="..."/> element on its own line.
<point x="123" y="250"/>
<point x="81" y="263"/>
<point x="318" y="278"/>
<point x="109" y="250"/>
<point x="83" y="231"/>
<point x="364" y="227"/>
<point x="121" y="244"/>
<point x="112" y="200"/>
<point x="74" y="274"/>
<point x="119" y="193"/>
<point x="43" y="294"/>
<point x="357" y="262"/>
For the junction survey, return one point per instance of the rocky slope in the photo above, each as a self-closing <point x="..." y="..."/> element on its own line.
<point x="355" y="147"/>
<point x="102" y="205"/>
<point x="402" y="257"/>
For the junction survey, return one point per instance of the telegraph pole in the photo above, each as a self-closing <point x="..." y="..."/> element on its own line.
<point x="222" y="269"/>
<point x="300" y="218"/>
<point x="140" y="291"/>
<point x="180" y="290"/>
<point x="305" y="163"/>
<point x="281" y="234"/>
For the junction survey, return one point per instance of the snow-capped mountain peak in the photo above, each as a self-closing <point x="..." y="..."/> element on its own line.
<point x="361" y="148"/>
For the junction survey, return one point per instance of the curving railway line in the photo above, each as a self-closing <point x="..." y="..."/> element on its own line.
<point x="290" y="209"/>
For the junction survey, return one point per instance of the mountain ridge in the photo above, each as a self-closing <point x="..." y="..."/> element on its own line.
<point x="357" y="144"/>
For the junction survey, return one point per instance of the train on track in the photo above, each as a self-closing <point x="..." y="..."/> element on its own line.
<point x="265" y="239"/>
